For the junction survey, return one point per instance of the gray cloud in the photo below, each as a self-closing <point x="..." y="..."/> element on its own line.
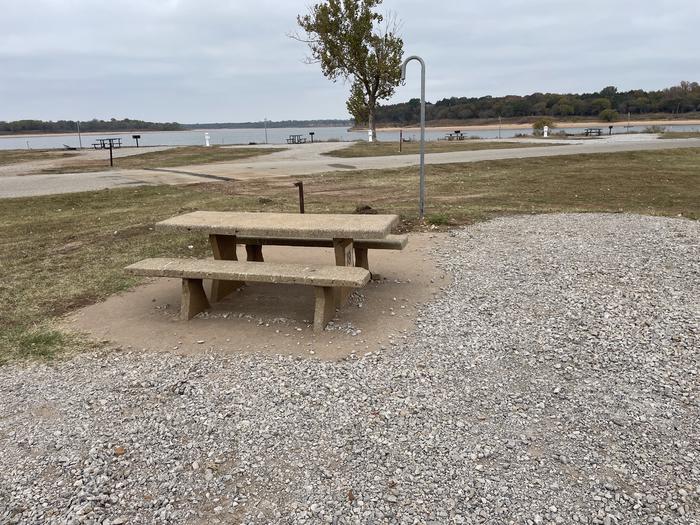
<point x="207" y="60"/>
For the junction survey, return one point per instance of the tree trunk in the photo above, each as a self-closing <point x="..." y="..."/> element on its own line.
<point x="371" y="123"/>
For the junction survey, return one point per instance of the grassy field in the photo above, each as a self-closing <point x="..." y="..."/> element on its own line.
<point x="14" y="156"/>
<point x="64" y="251"/>
<point x="680" y="135"/>
<point x="381" y="149"/>
<point x="168" y="158"/>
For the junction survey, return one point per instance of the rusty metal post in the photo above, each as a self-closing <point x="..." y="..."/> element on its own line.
<point x="300" y="185"/>
<point x="400" y="140"/>
<point x="111" y="161"/>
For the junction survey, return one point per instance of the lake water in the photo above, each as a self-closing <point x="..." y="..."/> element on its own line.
<point x="274" y="136"/>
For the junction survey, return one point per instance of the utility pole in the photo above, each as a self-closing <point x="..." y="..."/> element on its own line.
<point x="80" y="140"/>
<point x="421" y="204"/>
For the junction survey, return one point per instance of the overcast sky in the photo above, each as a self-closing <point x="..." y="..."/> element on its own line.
<point x="231" y="61"/>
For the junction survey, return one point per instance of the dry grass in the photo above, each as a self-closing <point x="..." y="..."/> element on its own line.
<point x="63" y="251"/>
<point x="15" y="156"/>
<point x="680" y="135"/>
<point x="168" y="158"/>
<point x="382" y="149"/>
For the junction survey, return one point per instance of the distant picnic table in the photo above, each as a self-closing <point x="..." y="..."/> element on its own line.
<point x="296" y="139"/>
<point x="593" y="131"/>
<point x="457" y="135"/>
<point x="107" y="143"/>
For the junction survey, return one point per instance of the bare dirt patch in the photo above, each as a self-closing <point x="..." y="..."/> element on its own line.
<point x="275" y="319"/>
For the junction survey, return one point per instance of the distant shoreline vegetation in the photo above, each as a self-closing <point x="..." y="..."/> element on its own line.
<point x="25" y="127"/>
<point x="29" y="127"/>
<point x="608" y="105"/>
<point x="322" y="123"/>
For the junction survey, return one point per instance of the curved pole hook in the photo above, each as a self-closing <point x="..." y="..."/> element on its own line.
<point x="421" y="209"/>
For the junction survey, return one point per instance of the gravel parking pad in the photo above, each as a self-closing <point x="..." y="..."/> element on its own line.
<point x="555" y="381"/>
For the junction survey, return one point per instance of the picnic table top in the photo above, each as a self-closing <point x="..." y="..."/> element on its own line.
<point x="301" y="225"/>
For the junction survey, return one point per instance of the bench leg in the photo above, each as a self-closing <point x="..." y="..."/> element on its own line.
<point x="254" y="252"/>
<point x="343" y="249"/>
<point x="194" y="300"/>
<point x="361" y="259"/>
<point x="325" y="307"/>
<point x="224" y="248"/>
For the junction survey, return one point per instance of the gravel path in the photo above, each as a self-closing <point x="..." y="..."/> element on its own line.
<point x="556" y="381"/>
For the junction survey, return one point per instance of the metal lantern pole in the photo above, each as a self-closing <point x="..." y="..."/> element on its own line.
<point x="421" y="207"/>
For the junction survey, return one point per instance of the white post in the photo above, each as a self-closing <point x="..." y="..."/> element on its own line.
<point x="206" y="140"/>
<point x="545" y="131"/>
<point x="370" y="136"/>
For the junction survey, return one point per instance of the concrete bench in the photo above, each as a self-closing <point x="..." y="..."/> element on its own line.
<point x="390" y="242"/>
<point x="324" y="279"/>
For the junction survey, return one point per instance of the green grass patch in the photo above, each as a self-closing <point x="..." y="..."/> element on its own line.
<point x="40" y="343"/>
<point x="31" y="343"/>
<point x="61" y="252"/>
<point x="382" y="149"/>
<point x="438" y="219"/>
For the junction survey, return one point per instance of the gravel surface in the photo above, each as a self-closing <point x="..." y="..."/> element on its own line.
<point x="555" y="381"/>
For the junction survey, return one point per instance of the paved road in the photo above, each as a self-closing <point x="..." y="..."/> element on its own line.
<point x="308" y="159"/>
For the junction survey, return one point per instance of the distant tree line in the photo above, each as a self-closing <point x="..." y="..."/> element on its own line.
<point x="70" y="126"/>
<point x="273" y="124"/>
<point x="608" y="104"/>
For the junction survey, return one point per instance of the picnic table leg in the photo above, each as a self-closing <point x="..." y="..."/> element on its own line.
<point x="194" y="300"/>
<point x="254" y="252"/>
<point x="361" y="258"/>
<point x="224" y="248"/>
<point x="324" y="307"/>
<point x="343" y="257"/>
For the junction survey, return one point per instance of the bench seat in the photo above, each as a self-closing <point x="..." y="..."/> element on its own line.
<point x="324" y="279"/>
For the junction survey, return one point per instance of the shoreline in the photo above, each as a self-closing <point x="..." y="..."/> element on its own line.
<point x="87" y="133"/>
<point x="462" y="127"/>
<point x="141" y="132"/>
<point x="558" y="125"/>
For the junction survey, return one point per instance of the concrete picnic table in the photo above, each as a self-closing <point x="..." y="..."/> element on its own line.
<point x="224" y="227"/>
<point x="296" y="139"/>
